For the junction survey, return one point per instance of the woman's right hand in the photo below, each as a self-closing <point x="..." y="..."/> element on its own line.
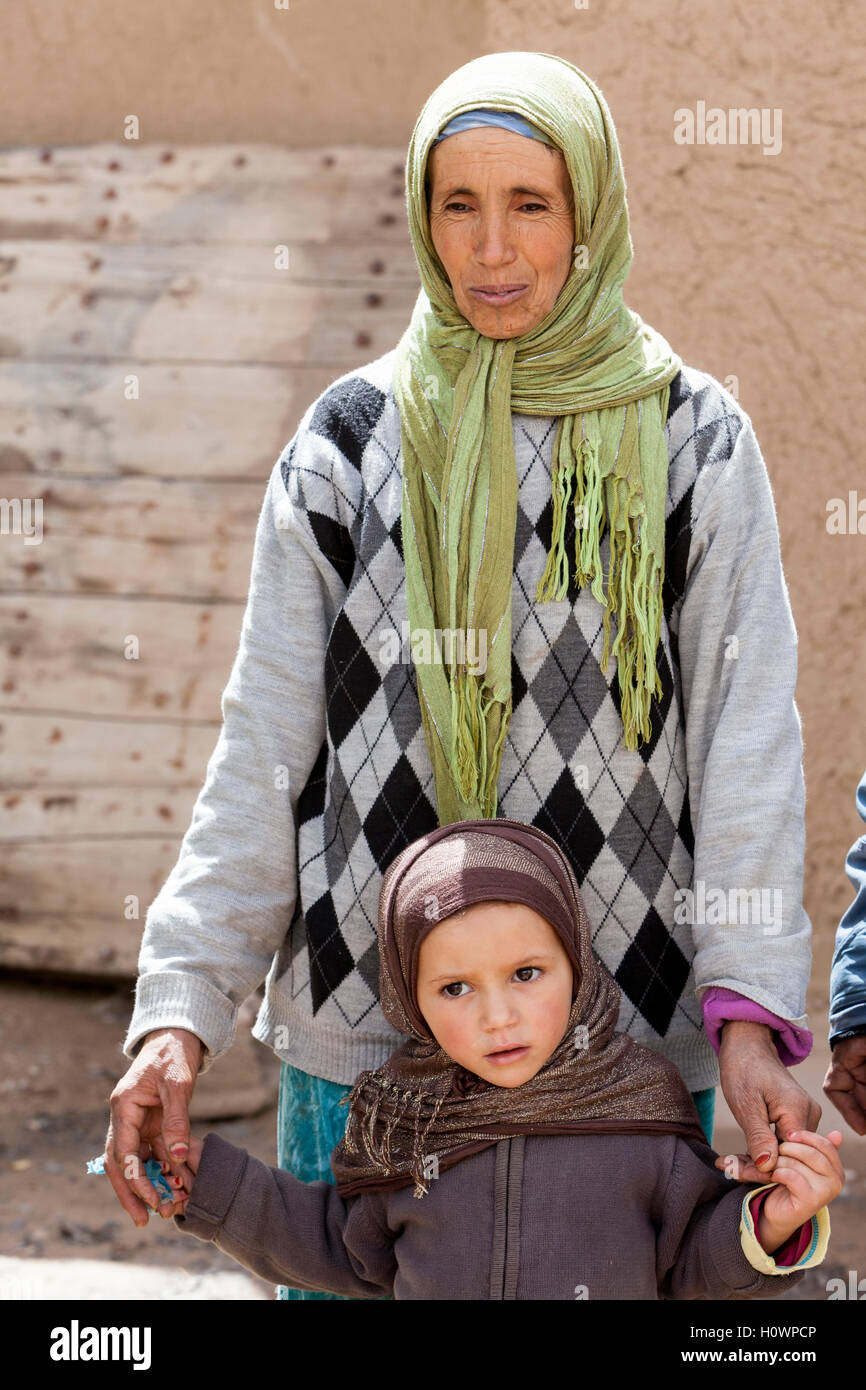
<point x="150" y="1115"/>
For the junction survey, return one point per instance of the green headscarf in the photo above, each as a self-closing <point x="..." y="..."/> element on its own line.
<point x="592" y="362"/>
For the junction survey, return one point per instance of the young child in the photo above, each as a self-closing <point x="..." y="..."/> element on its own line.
<point x="517" y="1146"/>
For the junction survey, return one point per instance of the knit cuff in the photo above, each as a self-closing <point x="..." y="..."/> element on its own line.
<point x="721" y="1006"/>
<point x="179" y="999"/>
<point x="811" y="1250"/>
<point x="221" y="1168"/>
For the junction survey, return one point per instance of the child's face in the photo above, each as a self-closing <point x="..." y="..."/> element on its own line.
<point x="491" y="978"/>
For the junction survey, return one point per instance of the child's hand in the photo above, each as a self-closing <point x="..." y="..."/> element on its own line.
<point x="193" y="1158"/>
<point x="191" y="1163"/>
<point x="186" y="1172"/>
<point x="809" y="1175"/>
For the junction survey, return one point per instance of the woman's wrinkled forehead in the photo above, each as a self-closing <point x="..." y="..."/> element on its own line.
<point x="521" y="162"/>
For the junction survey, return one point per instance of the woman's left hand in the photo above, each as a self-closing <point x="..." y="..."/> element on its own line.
<point x="761" y="1092"/>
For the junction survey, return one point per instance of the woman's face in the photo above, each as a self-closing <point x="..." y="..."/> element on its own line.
<point x="501" y="214"/>
<point x="495" y="987"/>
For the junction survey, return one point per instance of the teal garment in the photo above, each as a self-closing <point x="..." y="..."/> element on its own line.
<point x="705" y="1104"/>
<point x="311" y="1123"/>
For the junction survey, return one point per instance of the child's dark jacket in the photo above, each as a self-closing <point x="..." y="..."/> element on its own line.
<point x="531" y="1217"/>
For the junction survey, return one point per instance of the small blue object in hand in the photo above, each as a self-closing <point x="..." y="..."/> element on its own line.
<point x="152" y="1170"/>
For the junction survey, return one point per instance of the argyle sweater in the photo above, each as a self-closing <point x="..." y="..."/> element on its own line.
<point x="321" y="773"/>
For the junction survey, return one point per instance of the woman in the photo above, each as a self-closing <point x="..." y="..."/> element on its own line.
<point x="482" y="481"/>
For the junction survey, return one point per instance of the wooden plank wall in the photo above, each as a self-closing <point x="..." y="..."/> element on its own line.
<point x="156" y="266"/>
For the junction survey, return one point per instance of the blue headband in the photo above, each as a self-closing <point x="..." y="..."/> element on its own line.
<point x="485" y="116"/>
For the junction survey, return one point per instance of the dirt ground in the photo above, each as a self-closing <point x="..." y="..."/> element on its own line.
<point x="63" y="1233"/>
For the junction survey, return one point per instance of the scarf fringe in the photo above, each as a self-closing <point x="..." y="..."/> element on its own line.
<point x="634" y="587"/>
<point x="395" y="1120"/>
<point x="422" y="1186"/>
<point x="349" y="1135"/>
<point x="634" y="593"/>
<point x="475" y="772"/>
<point x="553" y="583"/>
<point x="379" y="1153"/>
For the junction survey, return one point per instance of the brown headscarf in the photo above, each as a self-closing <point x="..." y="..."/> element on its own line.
<point x="421" y="1112"/>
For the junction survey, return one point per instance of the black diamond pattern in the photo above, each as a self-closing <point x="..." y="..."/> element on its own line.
<point x="347" y="414"/>
<point x="334" y="542"/>
<point x="400" y="813"/>
<point x="351" y="677"/>
<point x="684" y="828"/>
<point x="396" y="534"/>
<point x="311" y="802"/>
<point x="330" y="958"/>
<point x="568" y="820"/>
<point x="653" y="973"/>
<point x="624" y="821"/>
<point x="518" y="684"/>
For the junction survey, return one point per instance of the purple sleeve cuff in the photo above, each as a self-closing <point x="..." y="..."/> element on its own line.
<point x="719" y="1005"/>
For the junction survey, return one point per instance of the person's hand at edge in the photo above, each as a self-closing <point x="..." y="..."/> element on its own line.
<point x="150" y="1115"/>
<point x="845" y="1082"/>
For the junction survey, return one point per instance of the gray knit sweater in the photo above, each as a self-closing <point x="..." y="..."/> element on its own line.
<point x="321" y="774"/>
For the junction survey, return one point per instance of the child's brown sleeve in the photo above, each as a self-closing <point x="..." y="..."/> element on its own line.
<point x="704" y="1233"/>
<point x="290" y="1232"/>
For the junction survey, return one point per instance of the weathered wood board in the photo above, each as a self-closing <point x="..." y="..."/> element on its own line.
<point x="166" y="318"/>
